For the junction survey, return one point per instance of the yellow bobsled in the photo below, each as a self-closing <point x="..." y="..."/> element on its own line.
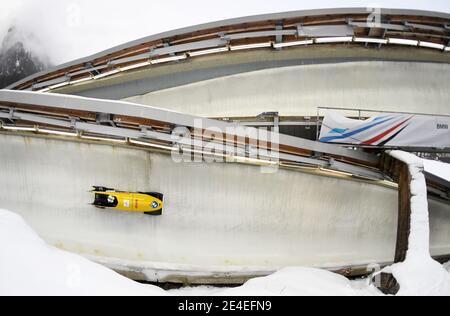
<point x="147" y="203"/>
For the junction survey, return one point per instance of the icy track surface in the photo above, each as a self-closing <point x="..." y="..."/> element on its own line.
<point x="28" y="266"/>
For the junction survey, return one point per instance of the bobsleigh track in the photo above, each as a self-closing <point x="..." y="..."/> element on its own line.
<point x="109" y="120"/>
<point x="221" y="222"/>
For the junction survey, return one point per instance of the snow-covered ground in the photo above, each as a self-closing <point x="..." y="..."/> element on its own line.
<point x="290" y="282"/>
<point x="28" y="266"/>
<point x="303" y="282"/>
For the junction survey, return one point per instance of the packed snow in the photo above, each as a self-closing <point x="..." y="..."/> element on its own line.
<point x="28" y="266"/>
<point x="302" y="282"/>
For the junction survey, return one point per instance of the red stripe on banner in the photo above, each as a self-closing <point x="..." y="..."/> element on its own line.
<point x="381" y="136"/>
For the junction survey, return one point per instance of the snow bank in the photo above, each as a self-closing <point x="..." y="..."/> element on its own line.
<point x="419" y="274"/>
<point x="29" y="267"/>
<point x="302" y="282"/>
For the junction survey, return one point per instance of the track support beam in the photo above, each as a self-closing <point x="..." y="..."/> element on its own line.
<point x="399" y="171"/>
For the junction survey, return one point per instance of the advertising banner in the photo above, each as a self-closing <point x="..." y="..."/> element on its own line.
<point x="387" y="129"/>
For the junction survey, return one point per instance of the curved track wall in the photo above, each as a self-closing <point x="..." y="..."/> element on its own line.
<point x="216" y="215"/>
<point x="299" y="90"/>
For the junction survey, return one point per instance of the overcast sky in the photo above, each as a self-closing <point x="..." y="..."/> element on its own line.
<point x="70" y="29"/>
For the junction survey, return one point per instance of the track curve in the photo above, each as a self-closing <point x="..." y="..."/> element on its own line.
<point x="219" y="219"/>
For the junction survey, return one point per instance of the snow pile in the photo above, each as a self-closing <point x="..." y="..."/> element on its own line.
<point x="302" y="282"/>
<point x="419" y="274"/>
<point x="29" y="267"/>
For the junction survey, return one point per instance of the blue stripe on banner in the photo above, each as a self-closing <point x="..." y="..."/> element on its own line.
<point x="362" y="129"/>
<point x="338" y="130"/>
<point x="380" y="118"/>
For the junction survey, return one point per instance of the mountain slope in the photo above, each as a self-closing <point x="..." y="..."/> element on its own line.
<point x="16" y="61"/>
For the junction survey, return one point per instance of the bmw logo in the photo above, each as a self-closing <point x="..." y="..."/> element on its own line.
<point x="155" y="205"/>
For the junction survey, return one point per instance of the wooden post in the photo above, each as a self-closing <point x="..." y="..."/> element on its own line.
<point x="404" y="213"/>
<point x="399" y="171"/>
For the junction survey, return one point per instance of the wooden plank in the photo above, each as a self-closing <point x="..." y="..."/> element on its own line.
<point x="400" y="171"/>
<point x="404" y="213"/>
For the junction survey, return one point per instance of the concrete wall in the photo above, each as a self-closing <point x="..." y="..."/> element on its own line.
<point x="299" y="90"/>
<point x="216" y="215"/>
